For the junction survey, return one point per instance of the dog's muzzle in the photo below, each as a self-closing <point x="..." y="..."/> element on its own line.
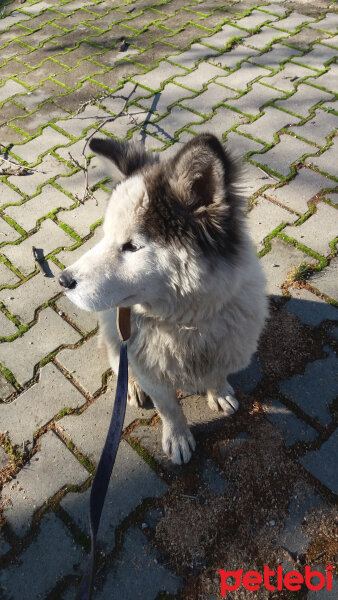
<point x="67" y="280"/>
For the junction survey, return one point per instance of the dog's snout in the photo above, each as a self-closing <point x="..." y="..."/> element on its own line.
<point x="67" y="280"/>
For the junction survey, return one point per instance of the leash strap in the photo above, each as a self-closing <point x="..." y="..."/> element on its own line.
<point x="107" y="460"/>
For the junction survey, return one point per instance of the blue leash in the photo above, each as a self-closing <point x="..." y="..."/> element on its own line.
<point x="107" y="460"/>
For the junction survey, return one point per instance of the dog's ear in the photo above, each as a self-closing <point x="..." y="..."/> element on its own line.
<point x="127" y="156"/>
<point x="201" y="174"/>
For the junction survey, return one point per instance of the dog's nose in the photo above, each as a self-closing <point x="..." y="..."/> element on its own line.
<point x="67" y="280"/>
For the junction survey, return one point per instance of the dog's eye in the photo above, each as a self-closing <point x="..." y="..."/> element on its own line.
<point x="129" y="247"/>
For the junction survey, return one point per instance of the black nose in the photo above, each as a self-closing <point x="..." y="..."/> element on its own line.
<point x="67" y="280"/>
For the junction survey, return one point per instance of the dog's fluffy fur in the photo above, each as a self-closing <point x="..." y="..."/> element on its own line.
<point x="175" y="249"/>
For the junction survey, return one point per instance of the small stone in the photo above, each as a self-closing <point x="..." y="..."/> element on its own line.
<point x="272" y="522"/>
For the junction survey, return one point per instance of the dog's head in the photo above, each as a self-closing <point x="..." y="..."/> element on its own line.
<point x="165" y="224"/>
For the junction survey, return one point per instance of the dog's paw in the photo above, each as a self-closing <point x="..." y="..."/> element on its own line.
<point x="136" y="396"/>
<point x="225" y="401"/>
<point x="178" y="445"/>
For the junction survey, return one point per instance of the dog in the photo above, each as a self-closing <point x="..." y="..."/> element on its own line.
<point x="176" y="250"/>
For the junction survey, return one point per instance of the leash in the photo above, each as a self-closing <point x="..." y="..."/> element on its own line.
<point x="102" y="476"/>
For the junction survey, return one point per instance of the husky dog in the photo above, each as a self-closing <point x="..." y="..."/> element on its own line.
<point x="176" y="250"/>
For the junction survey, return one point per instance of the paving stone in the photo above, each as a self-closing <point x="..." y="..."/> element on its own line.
<point x="9" y="89"/>
<point x="326" y="280"/>
<point x="86" y="363"/>
<point x="27" y="214"/>
<point x="8" y="233"/>
<point x="293" y="536"/>
<point x="255" y="19"/>
<point x="233" y="57"/>
<point x="265" y="36"/>
<point x="293" y="429"/>
<point x="328" y="80"/>
<point x="266" y="126"/>
<point x="247" y="379"/>
<point x="323" y="594"/>
<point x="132" y="481"/>
<point x="7" y="277"/>
<point x="330" y="41"/>
<point x="329" y="23"/>
<point x="76" y="126"/>
<point x="333" y="197"/>
<point x="293" y="21"/>
<point x="240" y="79"/>
<point x="253" y="101"/>
<point x="67" y="258"/>
<point x="177" y="119"/>
<point x="305" y="98"/>
<point x="160" y="102"/>
<point x="314" y="391"/>
<point x="212" y="477"/>
<point x="48" y="139"/>
<point x="254" y="178"/>
<point x="279" y="261"/>
<point x="264" y="218"/>
<point x="318" y="230"/>
<point x="279" y="158"/>
<point x="318" y="57"/>
<point x="4" y="546"/>
<point x="304" y="39"/>
<point x="38" y="405"/>
<point x="26" y="298"/>
<point x="224" y="36"/>
<point x="33" y="485"/>
<point x="318" y="128"/>
<point x="88" y="431"/>
<point x="240" y="145"/>
<point x="274" y="8"/>
<point x="197" y="79"/>
<point x="49" y="333"/>
<point x="275" y="56"/>
<point x="48" y="238"/>
<point x="222" y="121"/>
<point x="7" y="327"/>
<point x="327" y="161"/>
<point x="296" y="193"/>
<point x="205" y="102"/>
<point x="322" y="464"/>
<point x="47" y="169"/>
<point x="85" y="320"/>
<point x="7" y="194"/>
<point x="286" y="78"/>
<point x="195" y="53"/>
<point x="309" y="308"/>
<point x="154" y="79"/>
<point x="138" y="563"/>
<point x="56" y="560"/>
<point x="81" y="218"/>
<point x="6" y="389"/>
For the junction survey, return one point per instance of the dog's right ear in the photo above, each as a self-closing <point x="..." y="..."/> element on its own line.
<point x="127" y="156"/>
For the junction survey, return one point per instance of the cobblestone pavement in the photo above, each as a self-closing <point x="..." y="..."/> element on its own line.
<point x="261" y="486"/>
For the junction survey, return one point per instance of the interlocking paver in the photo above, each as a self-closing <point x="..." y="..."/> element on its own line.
<point x="39" y="404"/>
<point x="279" y="158"/>
<point x="190" y="57"/>
<point x="32" y="487"/>
<point x="326" y="280"/>
<point x="314" y="391"/>
<point x="135" y="481"/>
<point x="327" y="161"/>
<point x="264" y="218"/>
<point x="304" y="186"/>
<point x="310" y="308"/>
<point x="77" y="362"/>
<point x="278" y="263"/>
<point x="49" y="333"/>
<point x="266" y="126"/>
<point x="48" y="238"/>
<point x="317" y="231"/>
<point x="292" y="428"/>
<point x="8" y="233"/>
<point x="305" y="98"/>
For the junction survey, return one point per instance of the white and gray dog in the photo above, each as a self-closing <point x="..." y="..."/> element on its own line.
<point x="175" y="248"/>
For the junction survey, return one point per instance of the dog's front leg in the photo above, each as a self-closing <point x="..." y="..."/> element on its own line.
<point x="177" y="440"/>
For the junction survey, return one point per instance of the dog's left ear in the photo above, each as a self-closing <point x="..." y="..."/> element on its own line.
<point x="127" y="156"/>
<point x="201" y="174"/>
